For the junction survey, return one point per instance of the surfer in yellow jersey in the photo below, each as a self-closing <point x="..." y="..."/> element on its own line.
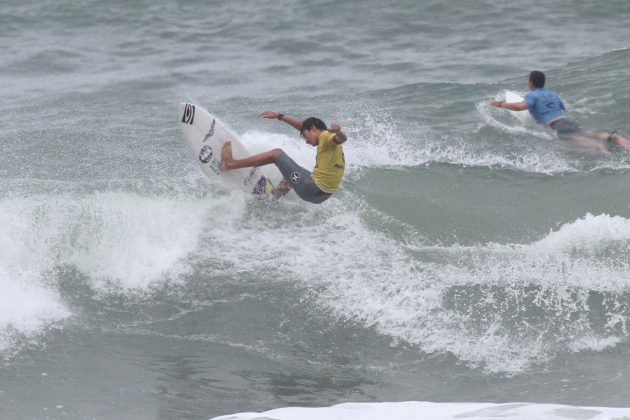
<point x="315" y="187"/>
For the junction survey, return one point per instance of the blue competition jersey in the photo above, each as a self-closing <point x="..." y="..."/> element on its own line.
<point x="544" y="105"/>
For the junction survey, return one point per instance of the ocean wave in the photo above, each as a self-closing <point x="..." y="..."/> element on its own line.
<point x="533" y="301"/>
<point x="565" y="292"/>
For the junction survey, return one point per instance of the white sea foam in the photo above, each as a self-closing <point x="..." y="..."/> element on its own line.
<point x="130" y="240"/>
<point x="437" y="411"/>
<point x="29" y="301"/>
<point x="446" y="299"/>
<point x="452" y="299"/>
<point x="117" y="239"/>
<point x="589" y="234"/>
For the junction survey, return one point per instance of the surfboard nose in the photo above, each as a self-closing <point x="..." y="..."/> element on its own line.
<point x="186" y="113"/>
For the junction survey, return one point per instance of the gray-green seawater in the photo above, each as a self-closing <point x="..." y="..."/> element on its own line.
<point x="468" y="256"/>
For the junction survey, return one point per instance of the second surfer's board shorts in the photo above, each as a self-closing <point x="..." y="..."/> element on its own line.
<point x="300" y="179"/>
<point x="565" y="128"/>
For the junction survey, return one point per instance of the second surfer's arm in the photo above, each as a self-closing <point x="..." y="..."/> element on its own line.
<point x="514" y="106"/>
<point x="274" y="115"/>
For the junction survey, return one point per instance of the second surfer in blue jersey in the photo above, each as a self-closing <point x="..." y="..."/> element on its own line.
<point x="547" y="108"/>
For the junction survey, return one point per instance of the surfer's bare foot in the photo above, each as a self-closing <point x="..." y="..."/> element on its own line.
<point x="619" y="140"/>
<point x="226" y="156"/>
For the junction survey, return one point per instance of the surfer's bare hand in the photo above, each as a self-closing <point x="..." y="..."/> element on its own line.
<point x="271" y="115"/>
<point x="335" y="128"/>
<point x="494" y="103"/>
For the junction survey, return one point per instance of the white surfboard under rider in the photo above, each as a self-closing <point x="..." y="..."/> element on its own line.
<point x="205" y="136"/>
<point x="523" y="116"/>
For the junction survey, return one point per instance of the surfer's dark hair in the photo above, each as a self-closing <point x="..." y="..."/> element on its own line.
<point x="537" y="78"/>
<point x="312" y="122"/>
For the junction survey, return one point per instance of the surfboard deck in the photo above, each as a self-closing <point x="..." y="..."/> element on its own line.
<point x="205" y="135"/>
<point x="513" y="97"/>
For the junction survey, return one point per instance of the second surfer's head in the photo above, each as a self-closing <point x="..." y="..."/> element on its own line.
<point x="536" y="79"/>
<point x="311" y="129"/>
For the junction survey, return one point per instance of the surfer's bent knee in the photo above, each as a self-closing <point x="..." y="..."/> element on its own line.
<point x="276" y="153"/>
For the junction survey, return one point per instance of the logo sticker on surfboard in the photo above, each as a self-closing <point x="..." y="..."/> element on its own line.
<point x="189" y="114"/>
<point x="210" y="132"/>
<point x="205" y="154"/>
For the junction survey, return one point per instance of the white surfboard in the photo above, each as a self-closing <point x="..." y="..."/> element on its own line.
<point x="205" y="136"/>
<point x="523" y="116"/>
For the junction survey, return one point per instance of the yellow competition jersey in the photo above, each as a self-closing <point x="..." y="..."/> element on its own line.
<point x="329" y="163"/>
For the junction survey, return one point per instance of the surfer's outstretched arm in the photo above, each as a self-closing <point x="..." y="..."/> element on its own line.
<point x="512" y="106"/>
<point x="274" y="115"/>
